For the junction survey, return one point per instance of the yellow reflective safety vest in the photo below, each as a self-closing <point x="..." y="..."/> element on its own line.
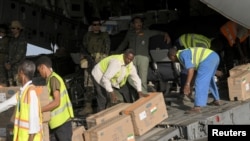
<point x="194" y="40"/>
<point x="21" y="123"/>
<point x="64" y="111"/>
<point x="199" y="54"/>
<point x="104" y="65"/>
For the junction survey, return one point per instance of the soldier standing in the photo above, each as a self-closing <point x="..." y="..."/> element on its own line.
<point x="96" y="44"/>
<point x="16" y="52"/>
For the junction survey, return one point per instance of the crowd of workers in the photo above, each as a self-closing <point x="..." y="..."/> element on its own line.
<point x="118" y="76"/>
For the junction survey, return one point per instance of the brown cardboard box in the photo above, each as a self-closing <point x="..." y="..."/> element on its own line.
<point x="106" y="114"/>
<point x="46" y="132"/>
<point x="43" y="93"/>
<point x="5" y="117"/>
<point x="239" y="86"/>
<point x="119" y="128"/>
<point x="238" y="69"/>
<point x="147" y="112"/>
<point x="78" y="133"/>
<point x="2" y="139"/>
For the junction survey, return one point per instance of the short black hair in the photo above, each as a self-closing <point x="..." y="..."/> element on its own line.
<point x="28" y="68"/>
<point x="137" y="17"/>
<point x="44" y="60"/>
<point x="129" y="51"/>
<point x="172" y="51"/>
<point x="94" y="19"/>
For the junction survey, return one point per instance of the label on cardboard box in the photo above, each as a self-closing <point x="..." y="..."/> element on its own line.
<point x="131" y="137"/>
<point x="2" y="97"/>
<point x="153" y="109"/>
<point x="247" y="87"/>
<point x="143" y="115"/>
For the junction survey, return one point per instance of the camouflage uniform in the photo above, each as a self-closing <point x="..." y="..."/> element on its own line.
<point x="3" y="53"/>
<point x="97" y="45"/>
<point x="16" y="54"/>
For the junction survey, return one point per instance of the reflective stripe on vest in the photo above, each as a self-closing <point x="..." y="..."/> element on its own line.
<point x="194" y="40"/>
<point x="198" y="55"/>
<point x="21" y="123"/>
<point x="64" y="111"/>
<point x="104" y="65"/>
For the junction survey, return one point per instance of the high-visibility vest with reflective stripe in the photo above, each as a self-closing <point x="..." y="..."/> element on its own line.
<point x="230" y="31"/>
<point x="21" y="123"/>
<point x="194" y="40"/>
<point x="64" y="111"/>
<point x="198" y="55"/>
<point x="104" y="65"/>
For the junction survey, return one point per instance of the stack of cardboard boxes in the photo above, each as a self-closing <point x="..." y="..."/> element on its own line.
<point x="239" y="83"/>
<point x="125" y="121"/>
<point x="6" y="122"/>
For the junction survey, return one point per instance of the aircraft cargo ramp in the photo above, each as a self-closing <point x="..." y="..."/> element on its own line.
<point x="194" y="127"/>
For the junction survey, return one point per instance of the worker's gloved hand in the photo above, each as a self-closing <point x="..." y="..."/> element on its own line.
<point x="113" y="97"/>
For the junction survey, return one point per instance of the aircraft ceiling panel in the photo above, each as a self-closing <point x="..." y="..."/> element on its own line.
<point x="235" y="10"/>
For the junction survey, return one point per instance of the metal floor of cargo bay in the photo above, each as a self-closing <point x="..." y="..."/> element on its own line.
<point x="194" y="127"/>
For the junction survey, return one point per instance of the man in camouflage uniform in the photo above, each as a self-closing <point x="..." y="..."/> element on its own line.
<point x="95" y="42"/>
<point x="97" y="45"/>
<point x="17" y="51"/>
<point x="4" y="40"/>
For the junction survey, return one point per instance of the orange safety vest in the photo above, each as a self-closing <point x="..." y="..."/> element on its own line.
<point x="21" y="124"/>
<point x="231" y="31"/>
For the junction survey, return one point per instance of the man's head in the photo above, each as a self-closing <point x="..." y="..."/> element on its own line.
<point x="16" y="27"/>
<point x="137" y="23"/>
<point x="44" y="66"/>
<point x="172" y="54"/>
<point x="96" y="24"/>
<point x="26" y="71"/>
<point x="128" y="56"/>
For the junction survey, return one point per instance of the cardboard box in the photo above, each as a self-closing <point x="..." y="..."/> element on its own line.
<point x="43" y="93"/>
<point x="147" y="112"/>
<point x="239" y="86"/>
<point x="2" y="139"/>
<point x="6" y="117"/>
<point x="238" y="69"/>
<point x="106" y="114"/>
<point x="46" y="132"/>
<point x="119" y="128"/>
<point x="78" y="133"/>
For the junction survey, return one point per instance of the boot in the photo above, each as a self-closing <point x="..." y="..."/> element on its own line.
<point x="87" y="109"/>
